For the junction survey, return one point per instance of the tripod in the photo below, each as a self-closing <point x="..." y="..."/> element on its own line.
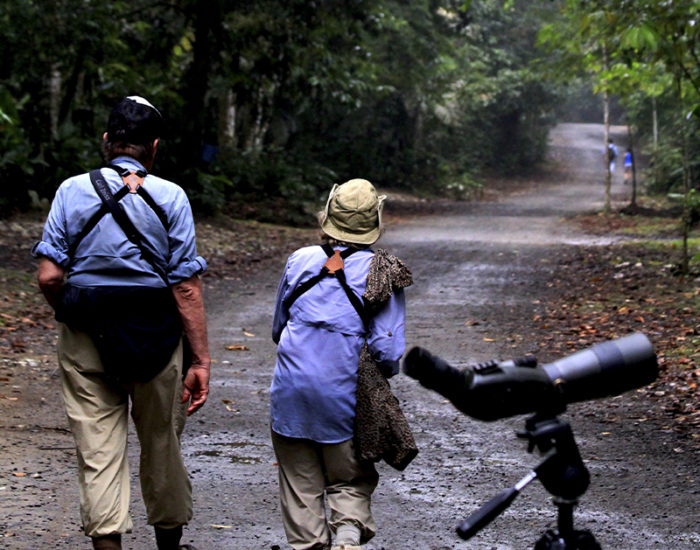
<point x="561" y="472"/>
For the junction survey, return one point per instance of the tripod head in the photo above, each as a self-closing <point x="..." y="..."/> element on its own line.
<point x="562" y="472"/>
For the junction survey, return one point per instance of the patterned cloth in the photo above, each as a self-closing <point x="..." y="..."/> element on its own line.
<point x="381" y="429"/>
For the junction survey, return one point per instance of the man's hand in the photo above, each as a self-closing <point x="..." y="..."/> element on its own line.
<point x="50" y="279"/>
<point x="196" y="387"/>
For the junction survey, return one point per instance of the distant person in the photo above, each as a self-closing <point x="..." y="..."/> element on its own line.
<point x="118" y="263"/>
<point x="628" y="165"/>
<point x="322" y="330"/>
<point x="611" y="155"/>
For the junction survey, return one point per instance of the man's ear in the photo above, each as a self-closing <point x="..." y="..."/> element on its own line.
<point x="104" y="136"/>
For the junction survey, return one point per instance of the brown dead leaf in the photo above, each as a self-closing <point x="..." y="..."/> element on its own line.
<point x="237" y="347"/>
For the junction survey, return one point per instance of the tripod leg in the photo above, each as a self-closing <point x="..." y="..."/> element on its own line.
<point x="565" y="518"/>
<point x="586" y="541"/>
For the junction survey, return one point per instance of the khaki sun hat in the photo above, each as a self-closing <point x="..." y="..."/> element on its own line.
<point x="353" y="212"/>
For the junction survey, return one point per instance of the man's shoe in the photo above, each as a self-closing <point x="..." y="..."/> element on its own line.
<point x="107" y="542"/>
<point x="168" y="539"/>
<point x="343" y="546"/>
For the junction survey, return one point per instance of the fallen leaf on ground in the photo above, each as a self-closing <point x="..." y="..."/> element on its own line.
<point x="237" y="347"/>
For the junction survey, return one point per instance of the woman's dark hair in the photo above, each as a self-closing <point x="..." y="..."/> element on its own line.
<point x="335" y="242"/>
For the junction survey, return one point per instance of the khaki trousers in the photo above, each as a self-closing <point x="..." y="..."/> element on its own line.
<point x="97" y="410"/>
<point x="308" y="469"/>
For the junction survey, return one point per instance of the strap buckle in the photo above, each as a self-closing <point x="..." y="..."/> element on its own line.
<point x="334" y="263"/>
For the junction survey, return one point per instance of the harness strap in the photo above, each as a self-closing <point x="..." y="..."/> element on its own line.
<point x="146" y="196"/>
<point x="124" y="222"/>
<point x="334" y="266"/>
<point x="93" y="221"/>
<point x="125" y="172"/>
<point x="356" y="302"/>
<point x="119" y="195"/>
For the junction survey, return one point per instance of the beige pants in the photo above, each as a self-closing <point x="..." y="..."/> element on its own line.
<point x="97" y="410"/>
<point x="308" y="469"/>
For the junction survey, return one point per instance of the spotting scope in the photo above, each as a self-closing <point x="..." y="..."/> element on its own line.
<point x="499" y="389"/>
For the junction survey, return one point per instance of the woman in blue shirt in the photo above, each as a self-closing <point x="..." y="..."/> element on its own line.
<point x="320" y="334"/>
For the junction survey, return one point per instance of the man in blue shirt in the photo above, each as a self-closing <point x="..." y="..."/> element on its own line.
<point x="101" y="282"/>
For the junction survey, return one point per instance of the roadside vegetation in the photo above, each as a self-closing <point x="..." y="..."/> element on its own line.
<point x="638" y="284"/>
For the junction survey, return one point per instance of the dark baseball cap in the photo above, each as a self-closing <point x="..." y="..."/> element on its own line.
<point x="134" y="120"/>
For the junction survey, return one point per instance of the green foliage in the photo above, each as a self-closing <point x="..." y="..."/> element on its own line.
<point x="666" y="172"/>
<point x="645" y="52"/>
<point x="294" y="95"/>
<point x="268" y="186"/>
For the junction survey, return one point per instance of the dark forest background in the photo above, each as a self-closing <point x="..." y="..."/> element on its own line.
<point x="268" y="102"/>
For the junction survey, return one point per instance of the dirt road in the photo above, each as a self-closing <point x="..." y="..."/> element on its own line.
<point x="481" y="272"/>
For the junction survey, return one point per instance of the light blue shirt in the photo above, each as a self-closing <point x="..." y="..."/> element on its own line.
<point x="106" y="257"/>
<point x="319" y="342"/>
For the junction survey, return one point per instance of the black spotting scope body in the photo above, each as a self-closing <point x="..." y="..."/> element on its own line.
<point x="494" y="390"/>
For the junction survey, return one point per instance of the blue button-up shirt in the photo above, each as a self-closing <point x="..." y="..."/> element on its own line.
<point x="319" y="342"/>
<point x="106" y="257"/>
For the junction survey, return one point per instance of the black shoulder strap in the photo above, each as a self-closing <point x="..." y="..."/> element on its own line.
<point x="146" y="196"/>
<point x="93" y="221"/>
<point x="124" y="222"/>
<point x="119" y="195"/>
<point x="355" y="300"/>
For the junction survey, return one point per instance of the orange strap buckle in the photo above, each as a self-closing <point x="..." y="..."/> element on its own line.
<point x="334" y="263"/>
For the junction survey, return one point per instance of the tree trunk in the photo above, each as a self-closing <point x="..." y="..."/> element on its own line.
<point x="227" y="121"/>
<point x="606" y="123"/>
<point x="54" y="99"/>
<point x="608" y="174"/>
<point x="205" y="16"/>
<point x="655" y="121"/>
<point x="687" y="213"/>
<point x="630" y="142"/>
